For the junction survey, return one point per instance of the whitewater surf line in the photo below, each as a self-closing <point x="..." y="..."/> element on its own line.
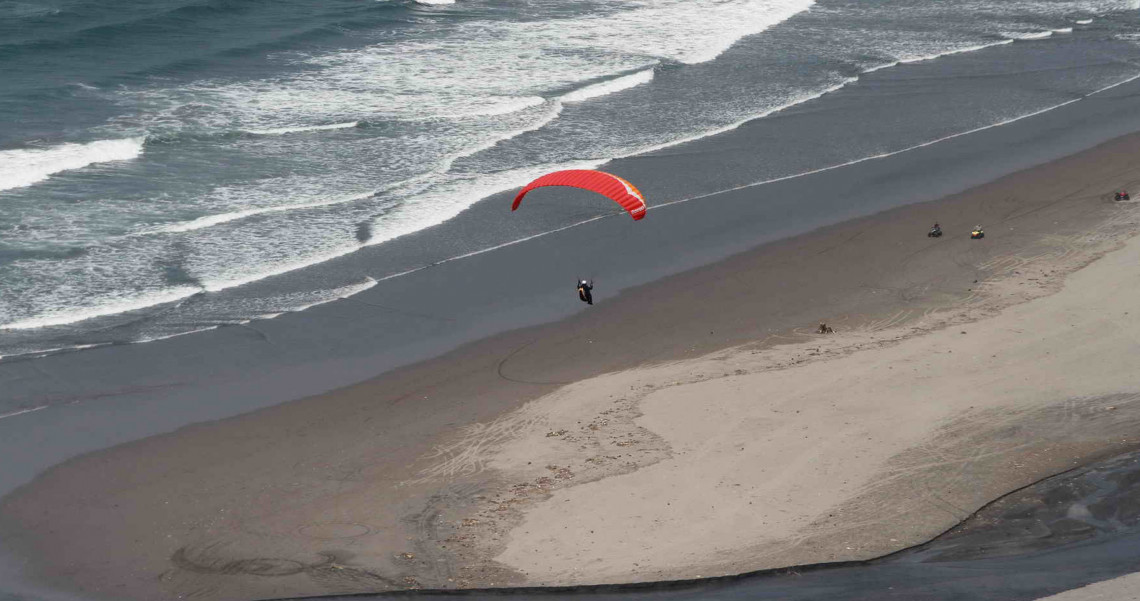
<point x="115" y="307"/>
<point x="21" y="168"/>
<point x="212" y="220"/>
<point x="610" y="86"/>
<point x="22" y="412"/>
<point x="277" y="131"/>
<point x="937" y="55"/>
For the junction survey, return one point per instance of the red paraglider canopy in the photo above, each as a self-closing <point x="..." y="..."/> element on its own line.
<point x="606" y="184"/>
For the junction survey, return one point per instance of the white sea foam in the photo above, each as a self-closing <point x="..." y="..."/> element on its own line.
<point x="504" y="106"/>
<point x="917" y="59"/>
<point x="465" y="73"/>
<point x="328" y="296"/>
<point x="551" y="113"/>
<point x="1063" y="30"/>
<point x="236" y="278"/>
<point x="212" y="220"/>
<point x="169" y="336"/>
<point x="19" y="168"/>
<point x="1027" y="35"/>
<point x="107" y="306"/>
<point x="692" y="31"/>
<point x="433" y="2"/>
<point x="301" y="301"/>
<point x="1083" y="21"/>
<point x="37" y="353"/>
<point x="1117" y="84"/>
<point x="254" y="253"/>
<point x="609" y="87"/>
<point x="276" y="131"/>
<point x="417" y="211"/>
<point x="22" y="411"/>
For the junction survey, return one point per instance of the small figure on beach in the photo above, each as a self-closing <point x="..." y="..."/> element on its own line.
<point x="825" y="329"/>
<point x="584" y="288"/>
<point x="1122" y="195"/>
<point x="977" y="233"/>
<point x="935" y="232"/>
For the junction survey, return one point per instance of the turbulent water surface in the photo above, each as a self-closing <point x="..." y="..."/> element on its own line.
<point x="169" y="166"/>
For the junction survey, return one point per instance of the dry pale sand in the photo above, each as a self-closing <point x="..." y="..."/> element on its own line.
<point x="845" y="446"/>
<point x="1124" y="588"/>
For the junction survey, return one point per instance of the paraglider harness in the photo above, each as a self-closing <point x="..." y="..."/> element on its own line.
<point x="935" y="232"/>
<point x="584" y="288"/>
<point x="1123" y="195"/>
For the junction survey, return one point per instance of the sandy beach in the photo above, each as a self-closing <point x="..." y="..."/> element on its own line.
<point x="844" y="447"/>
<point x="693" y="426"/>
<point x="270" y="328"/>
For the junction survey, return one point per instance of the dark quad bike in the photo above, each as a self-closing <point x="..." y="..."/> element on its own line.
<point x="1123" y="195"/>
<point x="977" y="234"/>
<point x="935" y="232"/>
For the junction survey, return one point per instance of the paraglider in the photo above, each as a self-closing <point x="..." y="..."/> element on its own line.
<point x="584" y="288"/>
<point x="606" y="184"/>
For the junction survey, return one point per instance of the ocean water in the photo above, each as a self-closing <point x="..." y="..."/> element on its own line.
<point x="173" y="166"/>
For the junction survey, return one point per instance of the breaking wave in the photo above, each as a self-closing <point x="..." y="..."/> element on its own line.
<point x="20" y="168"/>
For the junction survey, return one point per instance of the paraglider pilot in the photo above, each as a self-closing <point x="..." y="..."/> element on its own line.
<point x="584" y="288"/>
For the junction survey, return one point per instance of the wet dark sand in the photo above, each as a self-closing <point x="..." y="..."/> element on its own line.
<point x="313" y="497"/>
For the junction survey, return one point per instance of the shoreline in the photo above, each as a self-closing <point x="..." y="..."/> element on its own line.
<point x="349" y="462"/>
<point x="116" y="394"/>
